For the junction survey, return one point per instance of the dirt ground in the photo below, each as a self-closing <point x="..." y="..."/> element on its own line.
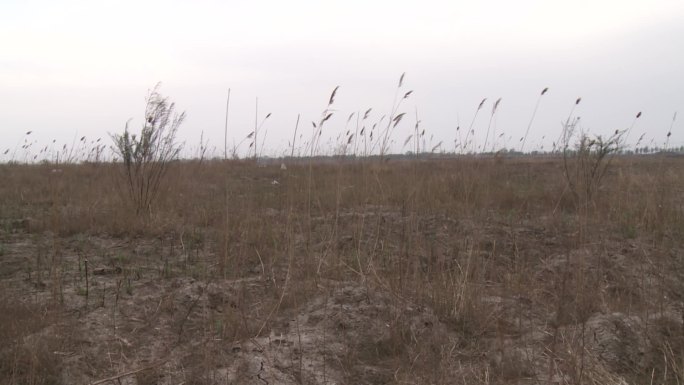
<point x="463" y="300"/>
<point x="150" y="316"/>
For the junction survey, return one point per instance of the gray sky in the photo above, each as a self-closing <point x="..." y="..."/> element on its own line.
<point x="83" y="68"/>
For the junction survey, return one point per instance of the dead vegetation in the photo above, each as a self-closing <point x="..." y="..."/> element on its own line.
<point x="461" y="271"/>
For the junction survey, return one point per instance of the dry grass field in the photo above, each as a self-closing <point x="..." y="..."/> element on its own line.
<point x="462" y="270"/>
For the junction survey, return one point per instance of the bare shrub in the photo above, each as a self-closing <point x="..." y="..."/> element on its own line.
<point x="146" y="157"/>
<point x="585" y="165"/>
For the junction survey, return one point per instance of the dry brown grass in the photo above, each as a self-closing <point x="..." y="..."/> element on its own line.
<point x="465" y="270"/>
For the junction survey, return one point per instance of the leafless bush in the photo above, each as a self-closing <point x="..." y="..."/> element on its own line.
<point x="146" y="157"/>
<point x="585" y="165"/>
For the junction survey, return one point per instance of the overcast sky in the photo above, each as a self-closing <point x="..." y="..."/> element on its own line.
<point x="83" y="68"/>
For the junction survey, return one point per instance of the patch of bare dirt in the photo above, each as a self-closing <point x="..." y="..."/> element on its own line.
<point x="151" y="311"/>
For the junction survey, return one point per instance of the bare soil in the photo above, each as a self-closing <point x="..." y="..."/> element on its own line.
<point x="501" y="297"/>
